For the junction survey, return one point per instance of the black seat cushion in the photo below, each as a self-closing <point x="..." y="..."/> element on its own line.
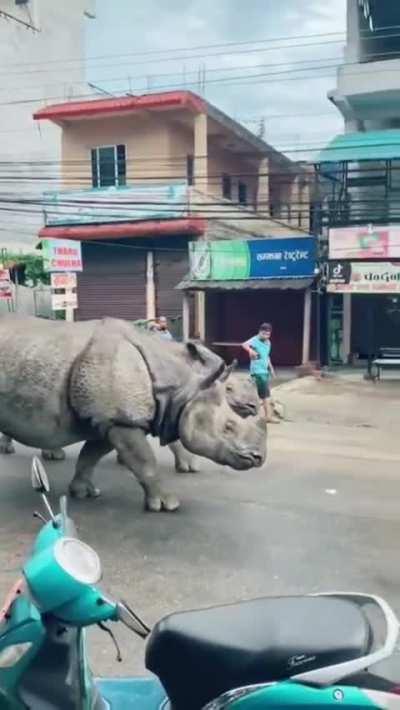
<point x="198" y="655"/>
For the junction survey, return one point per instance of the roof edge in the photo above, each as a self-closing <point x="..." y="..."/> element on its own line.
<point x="121" y="104"/>
<point x="123" y="230"/>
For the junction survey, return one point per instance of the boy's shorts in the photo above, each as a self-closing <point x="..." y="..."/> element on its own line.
<point x="262" y="384"/>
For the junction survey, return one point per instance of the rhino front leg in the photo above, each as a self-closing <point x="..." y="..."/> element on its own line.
<point x="185" y="462"/>
<point x="6" y="445"/>
<point x="136" y="453"/>
<point x="53" y="454"/>
<point x="82" y="485"/>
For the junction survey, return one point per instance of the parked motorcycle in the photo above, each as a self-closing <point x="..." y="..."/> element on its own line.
<point x="287" y="652"/>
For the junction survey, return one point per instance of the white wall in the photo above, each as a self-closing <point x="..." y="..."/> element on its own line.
<point x="35" y="69"/>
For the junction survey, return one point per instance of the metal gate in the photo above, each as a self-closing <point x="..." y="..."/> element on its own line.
<point x="113" y="282"/>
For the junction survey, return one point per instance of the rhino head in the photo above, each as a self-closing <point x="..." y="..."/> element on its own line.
<point x="209" y="427"/>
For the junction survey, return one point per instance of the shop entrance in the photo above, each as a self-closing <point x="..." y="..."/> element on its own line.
<point x="384" y="332"/>
<point x="233" y="317"/>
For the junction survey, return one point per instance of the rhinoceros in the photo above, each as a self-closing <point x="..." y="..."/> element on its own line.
<point x="109" y="385"/>
<point x="241" y="396"/>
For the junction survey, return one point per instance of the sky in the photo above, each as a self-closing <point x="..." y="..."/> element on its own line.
<point x="140" y="46"/>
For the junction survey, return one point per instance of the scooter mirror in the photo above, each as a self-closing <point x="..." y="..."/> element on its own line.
<point x="132" y="621"/>
<point x="40" y="482"/>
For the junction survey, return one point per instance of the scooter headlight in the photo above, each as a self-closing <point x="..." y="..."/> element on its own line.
<point x="78" y="560"/>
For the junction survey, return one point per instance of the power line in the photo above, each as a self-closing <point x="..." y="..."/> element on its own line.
<point x="168" y="51"/>
<point x="202" y="55"/>
<point x="240" y="80"/>
<point x="224" y="45"/>
<point x="28" y="26"/>
<point x="194" y="72"/>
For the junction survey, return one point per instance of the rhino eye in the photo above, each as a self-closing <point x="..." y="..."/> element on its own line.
<point x="229" y="388"/>
<point x="230" y="427"/>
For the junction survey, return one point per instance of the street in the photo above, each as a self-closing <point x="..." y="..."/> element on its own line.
<point x="323" y="514"/>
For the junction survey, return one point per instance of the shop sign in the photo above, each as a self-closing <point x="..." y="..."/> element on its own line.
<point x="61" y="255"/>
<point x="5" y="285"/>
<point x="62" y="301"/>
<point x="63" y="281"/>
<point x="116" y="204"/>
<point x="366" y="242"/>
<point x="272" y="258"/>
<point x="363" y="277"/>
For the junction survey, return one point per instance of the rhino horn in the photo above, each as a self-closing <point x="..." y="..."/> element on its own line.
<point x="228" y="371"/>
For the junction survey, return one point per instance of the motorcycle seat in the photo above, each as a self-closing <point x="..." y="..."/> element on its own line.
<point x="198" y="655"/>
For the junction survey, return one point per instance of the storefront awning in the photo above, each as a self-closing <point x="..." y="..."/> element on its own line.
<point x="368" y="145"/>
<point x="120" y="230"/>
<point x="244" y="285"/>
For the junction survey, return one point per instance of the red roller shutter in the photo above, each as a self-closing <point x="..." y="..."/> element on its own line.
<point x="113" y="282"/>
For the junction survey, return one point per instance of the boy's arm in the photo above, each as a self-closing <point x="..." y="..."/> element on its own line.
<point x="250" y="350"/>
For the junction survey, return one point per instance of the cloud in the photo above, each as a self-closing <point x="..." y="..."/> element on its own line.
<point x="281" y="82"/>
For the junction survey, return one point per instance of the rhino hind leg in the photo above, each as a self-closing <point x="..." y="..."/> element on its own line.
<point x="53" y="454"/>
<point x="137" y="454"/>
<point x="185" y="462"/>
<point x="6" y="445"/>
<point x="82" y="485"/>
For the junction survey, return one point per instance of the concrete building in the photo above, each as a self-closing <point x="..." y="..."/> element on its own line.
<point x="363" y="168"/>
<point x="368" y="84"/>
<point x="145" y="175"/>
<point x="42" y="51"/>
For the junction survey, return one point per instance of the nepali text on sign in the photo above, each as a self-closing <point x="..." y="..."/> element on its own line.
<point x="270" y="258"/>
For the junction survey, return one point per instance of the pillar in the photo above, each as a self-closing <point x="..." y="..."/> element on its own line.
<point x="201" y="152"/>
<point x="346" y="345"/>
<point x="201" y="314"/>
<point x="306" y="326"/>
<point x="150" y="287"/>
<point x="186" y="316"/>
<point x="263" y="186"/>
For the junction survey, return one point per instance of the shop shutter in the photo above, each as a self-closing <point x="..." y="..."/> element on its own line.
<point x="170" y="268"/>
<point x="113" y="282"/>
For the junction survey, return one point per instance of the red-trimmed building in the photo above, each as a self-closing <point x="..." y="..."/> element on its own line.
<point x="144" y="175"/>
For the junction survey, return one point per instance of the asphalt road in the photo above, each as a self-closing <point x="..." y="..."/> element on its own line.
<point x="323" y="514"/>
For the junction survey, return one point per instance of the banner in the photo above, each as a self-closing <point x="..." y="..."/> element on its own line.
<point x="367" y="242"/>
<point x="363" y="277"/>
<point x="5" y="285"/>
<point x="62" y="301"/>
<point x="61" y="255"/>
<point x="115" y="204"/>
<point x="253" y="259"/>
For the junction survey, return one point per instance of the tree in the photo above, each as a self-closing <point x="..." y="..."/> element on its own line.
<point x="33" y="273"/>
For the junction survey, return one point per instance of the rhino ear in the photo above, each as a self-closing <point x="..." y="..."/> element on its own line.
<point x="228" y="371"/>
<point x="195" y="352"/>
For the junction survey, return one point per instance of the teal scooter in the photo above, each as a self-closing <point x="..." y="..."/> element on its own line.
<point x="288" y="652"/>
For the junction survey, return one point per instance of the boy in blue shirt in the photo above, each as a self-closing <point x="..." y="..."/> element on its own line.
<point x="261" y="368"/>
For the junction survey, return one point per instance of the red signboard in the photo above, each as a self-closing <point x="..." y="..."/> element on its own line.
<point x="365" y="242"/>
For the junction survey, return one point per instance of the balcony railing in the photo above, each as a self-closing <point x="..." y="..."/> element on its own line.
<point x="165" y="201"/>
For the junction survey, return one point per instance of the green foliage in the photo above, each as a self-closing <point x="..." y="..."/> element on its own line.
<point x="34" y="273"/>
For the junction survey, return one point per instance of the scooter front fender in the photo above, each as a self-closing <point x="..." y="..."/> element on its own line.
<point x="133" y="693"/>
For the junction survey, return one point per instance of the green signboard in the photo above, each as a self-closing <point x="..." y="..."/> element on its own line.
<point x="223" y="260"/>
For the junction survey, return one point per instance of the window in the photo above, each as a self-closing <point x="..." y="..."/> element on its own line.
<point x="227" y="186"/>
<point x="108" y="166"/>
<point x="242" y="193"/>
<point x="190" y="170"/>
